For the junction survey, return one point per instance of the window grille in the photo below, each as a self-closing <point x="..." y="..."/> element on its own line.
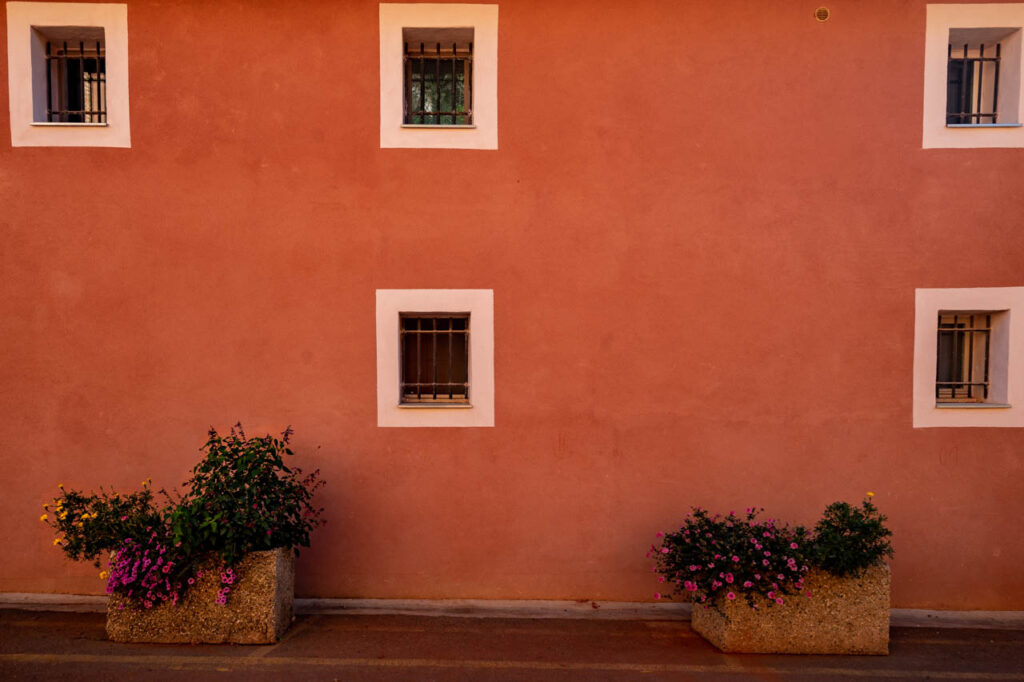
<point x="972" y="85"/>
<point x="76" y="82"/>
<point x="961" y="373"/>
<point x="435" y="358"/>
<point x="438" y="79"/>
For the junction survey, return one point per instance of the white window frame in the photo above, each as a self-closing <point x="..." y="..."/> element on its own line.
<point x="483" y="19"/>
<point x="23" y="50"/>
<point x="941" y="19"/>
<point x="1005" y="404"/>
<point x="479" y="303"/>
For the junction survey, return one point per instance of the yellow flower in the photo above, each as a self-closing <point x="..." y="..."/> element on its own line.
<point x="46" y="506"/>
<point x="56" y="541"/>
<point x="61" y="486"/>
<point x="103" y="575"/>
<point x="43" y="517"/>
<point x="870" y="494"/>
<point x="80" y="524"/>
<point x="63" y="515"/>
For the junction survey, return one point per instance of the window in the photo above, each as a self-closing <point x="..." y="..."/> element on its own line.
<point x="968" y="351"/>
<point x="68" y="74"/>
<point x="435" y="357"/>
<point x="961" y="367"/>
<point x="972" y="89"/>
<point x="438" y="76"/>
<point x="972" y="80"/>
<point x="74" y="73"/>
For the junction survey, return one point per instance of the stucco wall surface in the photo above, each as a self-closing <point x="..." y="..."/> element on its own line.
<point x="704" y="225"/>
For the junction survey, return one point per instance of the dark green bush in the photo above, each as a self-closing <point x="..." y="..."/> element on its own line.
<point x="242" y="497"/>
<point x="848" y="539"/>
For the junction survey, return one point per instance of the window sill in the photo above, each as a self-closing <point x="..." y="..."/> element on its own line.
<point x="434" y="406"/>
<point x="439" y="127"/>
<point x="972" y="406"/>
<point x="44" y="124"/>
<point x="984" y="125"/>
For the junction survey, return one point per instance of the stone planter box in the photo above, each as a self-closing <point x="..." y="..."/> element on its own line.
<point x="258" y="610"/>
<point x="842" y="616"/>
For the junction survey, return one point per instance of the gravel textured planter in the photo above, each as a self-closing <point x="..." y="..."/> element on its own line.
<point x="258" y="611"/>
<point x="842" y="616"/>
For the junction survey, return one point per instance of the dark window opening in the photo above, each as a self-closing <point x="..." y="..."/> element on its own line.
<point x="972" y="84"/>
<point x="438" y="66"/>
<point x="76" y="82"/>
<point x="435" y="358"/>
<point x="961" y="373"/>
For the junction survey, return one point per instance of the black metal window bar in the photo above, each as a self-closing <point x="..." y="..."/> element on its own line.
<point x="76" y="82"/>
<point x="435" y="358"/>
<point x="438" y="84"/>
<point x="966" y="98"/>
<point x="961" y="373"/>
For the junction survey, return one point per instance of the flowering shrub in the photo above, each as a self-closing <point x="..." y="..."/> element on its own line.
<point x="151" y="571"/>
<point x="88" y="525"/>
<point x="714" y="557"/>
<point x="848" y="539"/>
<point x="241" y="498"/>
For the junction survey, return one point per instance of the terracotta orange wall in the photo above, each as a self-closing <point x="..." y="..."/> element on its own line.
<point x="703" y="227"/>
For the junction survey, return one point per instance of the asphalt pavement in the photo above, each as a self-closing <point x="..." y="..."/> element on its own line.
<point x="39" y="645"/>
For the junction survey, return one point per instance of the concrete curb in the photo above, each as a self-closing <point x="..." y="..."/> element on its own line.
<point x="529" y="609"/>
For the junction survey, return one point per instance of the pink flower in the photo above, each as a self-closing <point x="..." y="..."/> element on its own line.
<point x="728" y="578"/>
<point x="747" y="583"/>
<point x="779" y="600"/>
<point x="792" y="545"/>
<point x="124" y="518"/>
<point x="664" y="550"/>
<point x="657" y="595"/>
<point x="731" y="595"/>
<point x="771" y="595"/>
<point x="660" y="534"/>
<point x="661" y="578"/>
<point x="735" y="558"/>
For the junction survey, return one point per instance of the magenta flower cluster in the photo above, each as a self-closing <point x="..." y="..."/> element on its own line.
<point x="227" y="579"/>
<point x="150" y="572"/>
<point x="712" y="558"/>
